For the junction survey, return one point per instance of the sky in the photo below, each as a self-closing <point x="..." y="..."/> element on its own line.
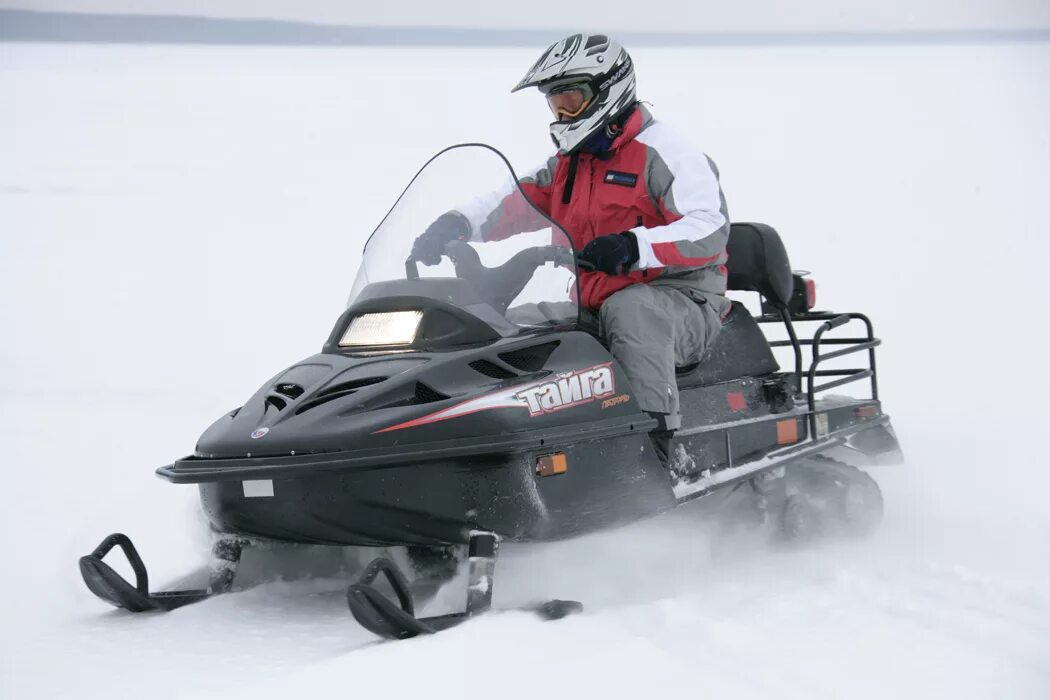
<point x="609" y="15"/>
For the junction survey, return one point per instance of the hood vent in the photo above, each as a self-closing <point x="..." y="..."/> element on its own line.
<point x="530" y="359"/>
<point x="350" y="386"/>
<point x="426" y="394"/>
<point x="275" y="401"/>
<point x="421" y="393"/>
<point x="292" y="391"/>
<point x="338" y="391"/>
<point x="491" y="369"/>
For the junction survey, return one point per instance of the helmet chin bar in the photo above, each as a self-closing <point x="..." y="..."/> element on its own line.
<point x="567" y="140"/>
<point x="570" y="135"/>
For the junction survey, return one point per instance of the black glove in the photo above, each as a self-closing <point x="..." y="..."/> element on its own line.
<point x="430" y="245"/>
<point x="612" y="254"/>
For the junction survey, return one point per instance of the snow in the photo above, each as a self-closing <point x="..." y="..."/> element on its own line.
<point x="177" y="224"/>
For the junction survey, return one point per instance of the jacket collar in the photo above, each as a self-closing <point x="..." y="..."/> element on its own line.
<point x="637" y="121"/>
<point x="640" y="120"/>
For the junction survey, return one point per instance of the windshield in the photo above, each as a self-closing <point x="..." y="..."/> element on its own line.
<point x="516" y="267"/>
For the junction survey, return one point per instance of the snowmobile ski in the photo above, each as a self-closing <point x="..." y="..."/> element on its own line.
<point x="111" y="587"/>
<point x="381" y="616"/>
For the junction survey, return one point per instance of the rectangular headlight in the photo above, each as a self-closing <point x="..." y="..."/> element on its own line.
<point x="391" y="328"/>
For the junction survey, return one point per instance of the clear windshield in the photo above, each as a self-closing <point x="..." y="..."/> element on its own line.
<point x="517" y="262"/>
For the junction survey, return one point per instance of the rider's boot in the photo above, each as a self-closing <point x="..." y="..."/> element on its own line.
<point x="663" y="445"/>
<point x="663" y="440"/>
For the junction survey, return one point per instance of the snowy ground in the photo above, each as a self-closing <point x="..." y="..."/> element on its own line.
<point x="178" y="223"/>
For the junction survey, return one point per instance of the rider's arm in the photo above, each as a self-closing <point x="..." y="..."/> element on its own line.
<point x="683" y="183"/>
<point x="505" y="212"/>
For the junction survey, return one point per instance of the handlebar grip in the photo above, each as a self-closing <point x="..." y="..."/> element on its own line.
<point x="837" y="321"/>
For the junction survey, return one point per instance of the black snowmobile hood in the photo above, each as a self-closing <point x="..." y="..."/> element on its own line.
<point x="395" y="408"/>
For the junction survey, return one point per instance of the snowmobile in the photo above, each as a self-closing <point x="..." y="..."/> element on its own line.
<point x="472" y="402"/>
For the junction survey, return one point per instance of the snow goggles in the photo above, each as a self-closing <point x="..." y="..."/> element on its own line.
<point x="569" y="100"/>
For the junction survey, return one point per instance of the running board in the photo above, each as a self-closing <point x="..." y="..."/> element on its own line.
<point x="111" y="587"/>
<point x="381" y="616"/>
<point x="689" y="491"/>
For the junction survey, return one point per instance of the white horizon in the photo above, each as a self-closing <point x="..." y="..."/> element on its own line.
<point x="611" y="15"/>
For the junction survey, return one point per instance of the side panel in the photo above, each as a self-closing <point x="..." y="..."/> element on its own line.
<point x="732" y="404"/>
<point x="607" y="482"/>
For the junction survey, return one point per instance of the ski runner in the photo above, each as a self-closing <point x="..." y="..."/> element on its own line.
<point x="643" y="207"/>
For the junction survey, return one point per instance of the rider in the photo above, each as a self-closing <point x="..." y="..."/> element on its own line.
<point x="643" y="207"/>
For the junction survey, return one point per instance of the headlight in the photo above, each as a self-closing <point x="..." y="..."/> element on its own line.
<point x="392" y="328"/>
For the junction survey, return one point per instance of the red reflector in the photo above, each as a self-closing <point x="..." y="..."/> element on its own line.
<point x="736" y="401"/>
<point x="811" y="294"/>
<point x="866" y="411"/>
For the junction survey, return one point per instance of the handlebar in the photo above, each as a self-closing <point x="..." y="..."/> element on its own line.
<point x="501" y="284"/>
<point x="558" y="255"/>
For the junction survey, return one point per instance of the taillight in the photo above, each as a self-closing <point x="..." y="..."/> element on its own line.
<point x="803" y="295"/>
<point x="811" y="294"/>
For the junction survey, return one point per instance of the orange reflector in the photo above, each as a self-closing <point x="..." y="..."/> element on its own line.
<point x="787" y="431"/>
<point x="866" y="411"/>
<point x="549" y="465"/>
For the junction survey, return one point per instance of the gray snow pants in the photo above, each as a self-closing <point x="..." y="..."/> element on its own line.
<point x="651" y="329"/>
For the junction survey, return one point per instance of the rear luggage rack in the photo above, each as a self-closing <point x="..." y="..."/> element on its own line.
<point x="867" y="342"/>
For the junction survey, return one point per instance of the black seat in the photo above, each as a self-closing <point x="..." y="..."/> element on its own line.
<point x="739" y="350"/>
<point x="759" y="263"/>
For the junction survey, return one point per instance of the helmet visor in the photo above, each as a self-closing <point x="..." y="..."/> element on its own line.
<point x="569" y="101"/>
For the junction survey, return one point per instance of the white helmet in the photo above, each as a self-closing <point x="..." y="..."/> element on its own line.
<point x="596" y="66"/>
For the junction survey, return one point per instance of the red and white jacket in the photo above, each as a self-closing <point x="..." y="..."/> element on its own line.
<point x="652" y="182"/>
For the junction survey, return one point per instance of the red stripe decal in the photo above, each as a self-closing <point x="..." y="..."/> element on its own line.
<point x="559" y="392"/>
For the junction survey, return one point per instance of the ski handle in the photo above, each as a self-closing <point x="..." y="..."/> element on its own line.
<point x="121" y="540"/>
